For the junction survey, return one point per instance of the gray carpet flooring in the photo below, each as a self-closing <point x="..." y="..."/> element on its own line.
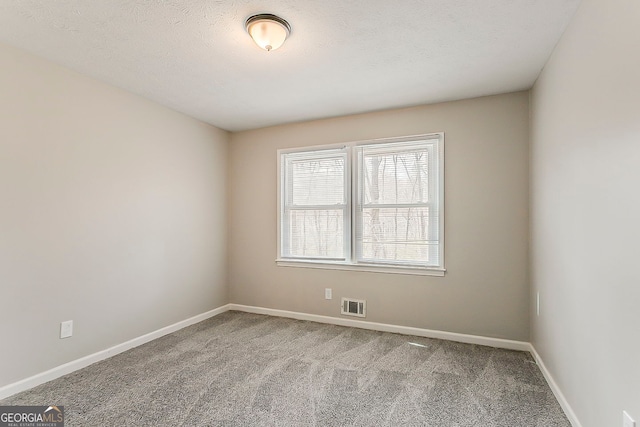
<point x="240" y="369"/>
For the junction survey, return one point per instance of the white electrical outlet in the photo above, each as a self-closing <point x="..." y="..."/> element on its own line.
<point x="327" y="293"/>
<point x="66" y="329"/>
<point x="538" y="304"/>
<point x="627" y="421"/>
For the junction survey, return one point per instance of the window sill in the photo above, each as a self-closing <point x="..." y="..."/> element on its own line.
<point x="373" y="268"/>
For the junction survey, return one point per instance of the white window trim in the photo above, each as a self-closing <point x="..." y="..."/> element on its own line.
<point x="373" y="268"/>
<point x="350" y="230"/>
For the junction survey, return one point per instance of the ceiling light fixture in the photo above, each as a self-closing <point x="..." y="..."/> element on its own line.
<point x="268" y="31"/>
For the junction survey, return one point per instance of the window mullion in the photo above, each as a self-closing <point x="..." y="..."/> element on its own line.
<point x="356" y="210"/>
<point x="348" y="213"/>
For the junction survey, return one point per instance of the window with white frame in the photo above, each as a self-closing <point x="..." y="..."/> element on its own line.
<point x="372" y="205"/>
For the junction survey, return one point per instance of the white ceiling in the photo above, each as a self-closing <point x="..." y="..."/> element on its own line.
<point x="343" y="56"/>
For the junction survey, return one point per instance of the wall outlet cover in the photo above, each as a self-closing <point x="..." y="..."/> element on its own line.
<point x="66" y="329"/>
<point x="327" y="293"/>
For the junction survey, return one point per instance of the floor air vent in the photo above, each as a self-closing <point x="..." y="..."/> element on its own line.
<point x="354" y="307"/>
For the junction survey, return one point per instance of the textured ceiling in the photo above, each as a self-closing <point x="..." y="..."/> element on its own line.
<point x="342" y="56"/>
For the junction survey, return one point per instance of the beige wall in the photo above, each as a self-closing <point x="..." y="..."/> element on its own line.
<point x="485" y="290"/>
<point x="586" y="212"/>
<point x="112" y="214"/>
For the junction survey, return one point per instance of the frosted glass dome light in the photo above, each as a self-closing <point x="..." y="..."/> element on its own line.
<point x="268" y="31"/>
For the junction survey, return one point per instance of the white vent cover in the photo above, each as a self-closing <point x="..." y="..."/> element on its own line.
<point x="354" y="307"/>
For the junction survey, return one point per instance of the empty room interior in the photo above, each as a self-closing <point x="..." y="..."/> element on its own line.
<point x="321" y="213"/>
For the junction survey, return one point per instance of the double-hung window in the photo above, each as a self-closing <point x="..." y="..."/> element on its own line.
<point x="370" y="205"/>
<point x="315" y="212"/>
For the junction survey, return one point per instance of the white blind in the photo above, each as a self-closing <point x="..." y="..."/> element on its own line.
<point x="397" y="212"/>
<point x="314" y="204"/>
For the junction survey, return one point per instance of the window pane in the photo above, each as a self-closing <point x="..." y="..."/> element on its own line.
<point x="400" y="235"/>
<point x="316" y="233"/>
<point x="395" y="177"/>
<point x="317" y="181"/>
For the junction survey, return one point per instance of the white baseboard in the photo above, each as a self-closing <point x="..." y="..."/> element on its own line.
<point x="405" y="330"/>
<point x="568" y="411"/>
<point x="74" y="365"/>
